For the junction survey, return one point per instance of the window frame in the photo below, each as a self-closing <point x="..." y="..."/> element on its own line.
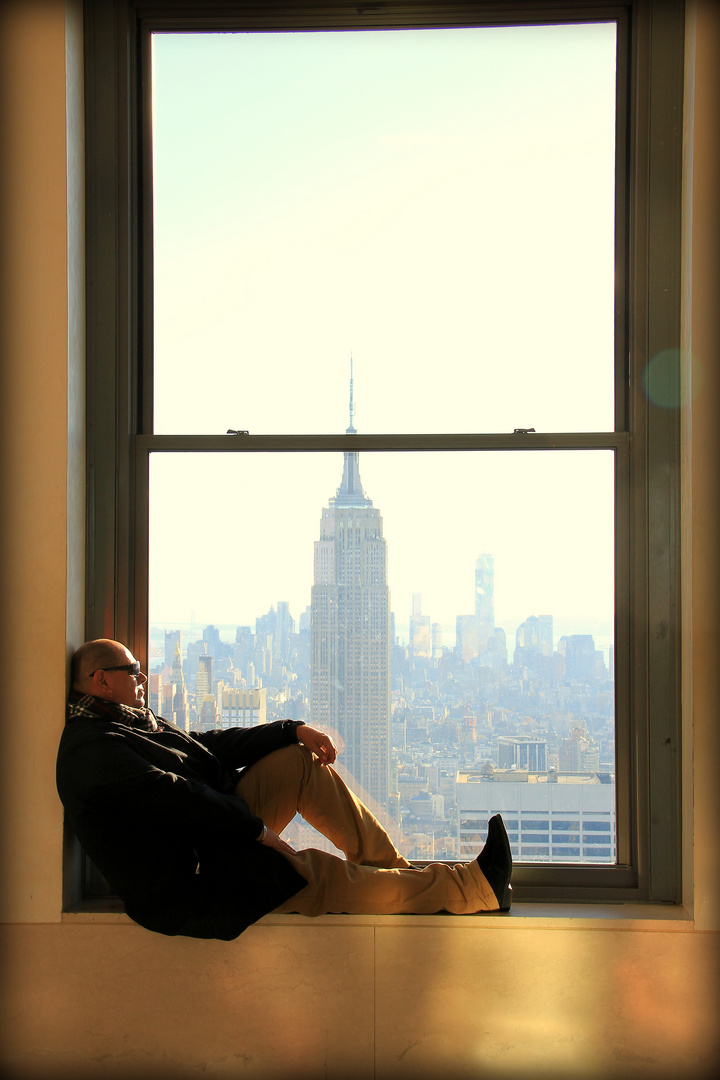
<point x="646" y="441"/>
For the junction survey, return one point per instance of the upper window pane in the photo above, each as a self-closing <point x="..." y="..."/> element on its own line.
<point x="439" y="203"/>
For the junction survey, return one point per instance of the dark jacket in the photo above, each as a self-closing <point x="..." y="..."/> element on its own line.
<point x="149" y="806"/>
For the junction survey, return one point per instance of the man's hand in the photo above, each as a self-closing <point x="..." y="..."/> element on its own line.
<point x="271" y="839"/>
<point x="319" y="742"/>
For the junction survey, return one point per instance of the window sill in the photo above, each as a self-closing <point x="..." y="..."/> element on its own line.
<point x="523" y="916"/>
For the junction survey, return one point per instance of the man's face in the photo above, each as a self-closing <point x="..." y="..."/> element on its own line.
<point x="120" y="686"/>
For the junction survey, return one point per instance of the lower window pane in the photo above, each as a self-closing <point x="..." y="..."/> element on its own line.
<point x="447" y="616"/>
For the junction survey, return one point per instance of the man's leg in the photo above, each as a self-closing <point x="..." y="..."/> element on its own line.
<point x="292" y="780"/>
<point x="335" y="885"/>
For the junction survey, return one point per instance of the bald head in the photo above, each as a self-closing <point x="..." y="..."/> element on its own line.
<point x="93" y="655"/>
<point x="97" y="669"/>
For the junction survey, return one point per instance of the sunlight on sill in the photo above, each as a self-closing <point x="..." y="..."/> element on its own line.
<point x="523" y="916"/>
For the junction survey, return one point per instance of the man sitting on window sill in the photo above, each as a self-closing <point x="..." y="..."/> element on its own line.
<point x="186" y="827"/>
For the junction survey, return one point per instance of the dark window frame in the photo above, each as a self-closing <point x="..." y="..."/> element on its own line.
<point x="646" y="441"/>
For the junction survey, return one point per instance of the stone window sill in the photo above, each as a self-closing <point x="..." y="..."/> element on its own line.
<point x="523" y="916"/>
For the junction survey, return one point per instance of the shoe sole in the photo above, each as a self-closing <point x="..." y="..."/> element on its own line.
<point x="497" y="825"/>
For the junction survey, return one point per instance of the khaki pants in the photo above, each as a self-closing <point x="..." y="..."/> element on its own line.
<point x="375" y="879"/>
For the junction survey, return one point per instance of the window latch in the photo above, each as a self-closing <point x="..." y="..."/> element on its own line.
<point x="523" y="430"/>
<point x="233" y="431"/>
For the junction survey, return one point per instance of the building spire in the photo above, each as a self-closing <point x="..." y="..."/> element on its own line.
<point x="350" y="492"/>
<point x="351" y="430"/>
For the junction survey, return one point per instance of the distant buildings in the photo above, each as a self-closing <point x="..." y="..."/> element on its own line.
<point x="167" y="693"/>
<point x="579" y="753"/>
<point x="180" y="710"/>
<point x="241" y="707"/>
<point x="468" y="640"/>
<point x="549" y="817"/>
<point x="204" y="677"/>
<point x="532" y="738"/>
<point x="582" y="659"/>
<point x="421" y="631"/>
<point x="522" y="752"/>
<point x="485" y="596"/>
<point x="534" y="637"/>
<point x="172" y="639"/>
<point x="474" y="634"/>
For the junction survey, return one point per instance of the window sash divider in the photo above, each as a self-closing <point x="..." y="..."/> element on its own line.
<point x="381" y="442"/>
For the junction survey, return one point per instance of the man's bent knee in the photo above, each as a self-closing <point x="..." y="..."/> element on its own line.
<point x="291" y="761"/>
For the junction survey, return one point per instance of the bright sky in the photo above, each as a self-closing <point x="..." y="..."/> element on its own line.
<point x="440" y="203"/>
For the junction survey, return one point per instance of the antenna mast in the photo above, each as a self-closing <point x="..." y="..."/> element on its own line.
<point x="351" y="429"/>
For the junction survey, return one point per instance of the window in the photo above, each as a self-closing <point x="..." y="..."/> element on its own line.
<point x="144" y="484"/>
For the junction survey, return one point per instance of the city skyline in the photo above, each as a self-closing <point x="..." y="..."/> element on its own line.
<point x="471" y="731"/>
<point x="227" y="631"/>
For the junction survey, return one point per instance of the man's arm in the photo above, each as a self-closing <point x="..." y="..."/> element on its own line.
<point x="105" y="775"/>
<point x="238" y="747"/>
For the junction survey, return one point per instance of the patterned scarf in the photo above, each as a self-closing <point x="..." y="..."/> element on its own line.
<point x="86" y="705"/>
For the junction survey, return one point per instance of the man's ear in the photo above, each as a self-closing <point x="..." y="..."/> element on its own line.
<point x="99" y="682"/>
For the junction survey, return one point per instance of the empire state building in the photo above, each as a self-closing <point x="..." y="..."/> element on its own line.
<point x="350" y="631"/>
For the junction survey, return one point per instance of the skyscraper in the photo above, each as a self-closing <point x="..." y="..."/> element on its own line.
<point x="180" y="711"/>
<point x="420" y="630"/>
<point x="350" y="624"/>
<point x="472" y="632"/>
<point x="522" y="752"/>
<point x="485" y="596"/>
<point x="545" y="635"/>
<point x="203" y="691"/>
<point x="241" y="707"/>
<point x="173" y="638"/>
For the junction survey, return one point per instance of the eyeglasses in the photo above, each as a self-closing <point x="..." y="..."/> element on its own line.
<point x="132" y="669"/>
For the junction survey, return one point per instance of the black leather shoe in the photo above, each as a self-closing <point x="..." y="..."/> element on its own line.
<point x="495" y="861"/>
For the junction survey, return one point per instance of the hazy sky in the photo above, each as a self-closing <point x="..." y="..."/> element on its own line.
<point x="242" y="538"/>
<point x="440" y="203"/>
